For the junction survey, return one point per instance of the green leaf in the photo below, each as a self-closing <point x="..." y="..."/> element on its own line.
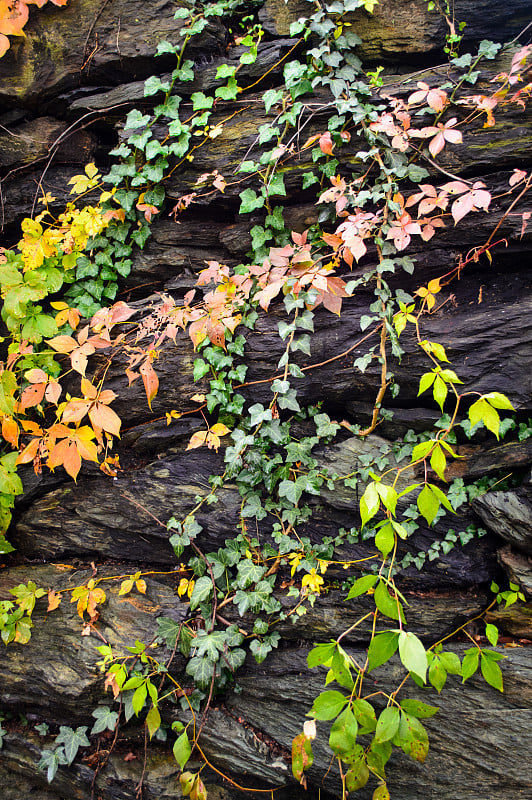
<point x="437" y="674"/>
<point x="470" y="663"/>
<point x="202" y="591"/>
<point x="249" y="201"/>
<point x="492" y="634"/>
<point x="386" y="604"/>
<point x="357" y="776"/>
<point x="361" y="586"/>
<point x="412" y="654"/>
<point x="491" y="671"/>
<point x="302" y="756"/>
<point x="418" y="709"/>
<point x="482" y="411"/>
<point x="139" y="698"/>
<point x="105" y="719"/>
<point x="426" y="382"/>
<point x="343" y="734"/>
<point x="451" y="662"/>
<point x="428" y="504"/>
<point x="249" y="573"/>
<point x="387" y="724"/>
<point x="200" y="101"/>
<point x="50" y="761"/>
<point x="72" y="741"/>
<point x="328" y="705"/>
<point x="381" y="648"/>
<point x="153" y="720"/>
<point x="321" y="654"/>
<point x="412" y="738"/>
<point x="182" y="750"/>
<point x="271" y="97"/>
<point x="369" y="503"/>
<point x="365" y="715"/>
<point x="385" y="539"/>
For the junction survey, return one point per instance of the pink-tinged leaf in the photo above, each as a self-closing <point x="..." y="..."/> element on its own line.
<point x="121" y="312"/>
<point x="437" y="99"/>
<point x="452" y="136"/>
<point x="517" y="176"/>
<point x="357" y="247"/>
<point x="53" y="392"/>
<point x="150" y="380"/>
<point x="79" y="359"/>
<point x="462" y="206"/>
<point x="524" y="226"/>
<point x="326" y="143"/>
<point x="36" y="376"/>
<point x="280" y="256"/>
<point x="437" y="144"/>
<point x="332" y="302"/>
<point x="481" y="198"/>
<point x="5" y="44"/>
<point x="456" y="187"/>
<point x="75" y="410"/>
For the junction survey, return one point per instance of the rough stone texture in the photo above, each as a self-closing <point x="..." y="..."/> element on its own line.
<point x="64" y="92"/>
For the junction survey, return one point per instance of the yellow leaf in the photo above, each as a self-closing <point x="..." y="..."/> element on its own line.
<point x="125" y="587"/>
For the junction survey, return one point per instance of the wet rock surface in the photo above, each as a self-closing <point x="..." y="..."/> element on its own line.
<point x="64" y="91"/>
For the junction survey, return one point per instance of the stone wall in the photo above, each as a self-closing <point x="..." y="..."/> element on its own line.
<point x="64" y="92"/>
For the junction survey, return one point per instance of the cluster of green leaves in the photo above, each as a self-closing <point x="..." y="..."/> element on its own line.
<point x="15" y="615"/>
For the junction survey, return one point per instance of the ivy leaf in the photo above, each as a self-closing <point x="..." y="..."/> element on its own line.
<point x="51" y="760"/>
<point x="249" y="573"/>
<point x="200" y="101"/>
<point x="249" y="201"/>
<point x="202" y="591"/>
<point x="72" y="741"/>
<point x="105" y="719"/>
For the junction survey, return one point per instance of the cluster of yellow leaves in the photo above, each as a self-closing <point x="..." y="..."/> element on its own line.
<point x="133" y="580"/>
<point x="210" y="437"/>
<point x="13" y="17"/>
<point x="66" y="237"/>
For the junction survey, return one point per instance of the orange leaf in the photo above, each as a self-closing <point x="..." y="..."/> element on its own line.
<point x="10" y="431"/>
<point x="150" y="380"/>
<point x="326" y="143"/>
<point x="13" y="17"/>
<point x="54" y="600"/>
<point x="104" y="417"/>
<point x="62" y="344"/>
<point x="32" y="395"/>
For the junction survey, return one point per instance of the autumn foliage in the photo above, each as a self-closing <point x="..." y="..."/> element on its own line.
<point x="13" y="17"/>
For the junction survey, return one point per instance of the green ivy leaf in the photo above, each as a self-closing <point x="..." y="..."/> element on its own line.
<point x="105" y="719"/>
<point x="381" y="648"/>
<point x="72" y="741"/>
